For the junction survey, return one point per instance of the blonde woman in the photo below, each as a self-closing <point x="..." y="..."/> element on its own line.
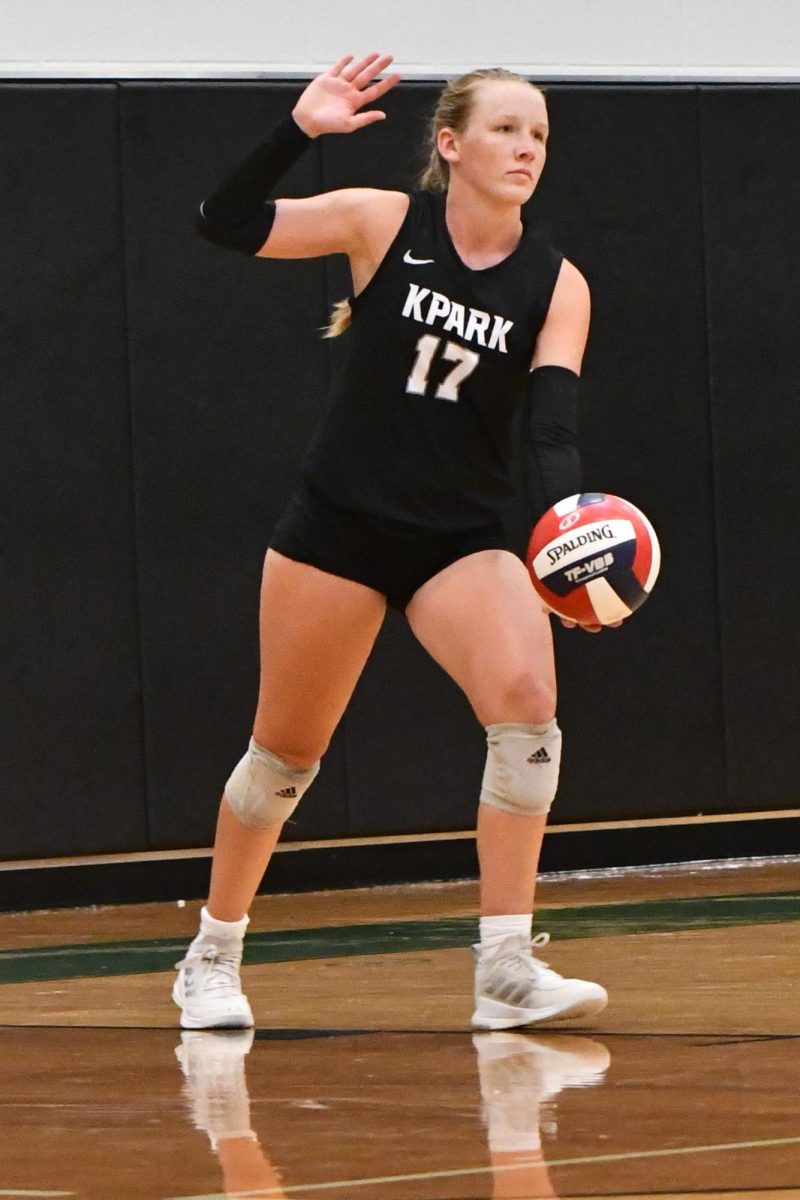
<point x="459" y="314"/>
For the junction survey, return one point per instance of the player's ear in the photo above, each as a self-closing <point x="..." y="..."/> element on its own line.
<point x="447" y="144"/>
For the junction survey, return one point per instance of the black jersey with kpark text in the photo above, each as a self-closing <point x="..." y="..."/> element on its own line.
<point x="419" y="426"/>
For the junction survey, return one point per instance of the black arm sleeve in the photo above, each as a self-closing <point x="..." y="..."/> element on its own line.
<point x="551" y="460"/>
<point x="238" y="214"/>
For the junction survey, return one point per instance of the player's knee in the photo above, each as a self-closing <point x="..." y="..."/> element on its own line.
<point x="264" y="789"/>
<point x="528" y="696"/>
<point x="522" y="764"/>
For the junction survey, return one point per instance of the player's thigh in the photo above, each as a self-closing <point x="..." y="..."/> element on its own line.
<point x="481" y="620"/>
<point x="316" y="633"/>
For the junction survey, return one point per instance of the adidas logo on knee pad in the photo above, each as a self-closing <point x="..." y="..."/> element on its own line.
<point x="539" y="756"/>
<point x="512" y="748"/>
<point x="263" y="790"/>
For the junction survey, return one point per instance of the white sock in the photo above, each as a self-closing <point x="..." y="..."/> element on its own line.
<point x="221" y="931"/>
<point x="495" y="929"/>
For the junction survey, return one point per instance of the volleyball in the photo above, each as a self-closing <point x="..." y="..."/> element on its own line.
<point x="594" y="558"/>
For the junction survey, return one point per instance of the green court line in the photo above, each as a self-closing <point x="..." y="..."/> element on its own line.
<point x="37" y="964"/>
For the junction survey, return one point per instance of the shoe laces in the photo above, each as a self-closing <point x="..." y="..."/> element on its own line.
<point x="516" y="954"/>
<point x="222" y="968"/>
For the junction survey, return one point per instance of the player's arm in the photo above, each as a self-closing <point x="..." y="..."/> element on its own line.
<point x="240" y="213"/>
<point x="562" y="338"/>
<point x="353" y="221"/>
<point x="551" y="452"/>
<point x="551" y="428"/>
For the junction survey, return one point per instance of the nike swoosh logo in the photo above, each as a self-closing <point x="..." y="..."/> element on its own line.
<point x="415" y="262"/>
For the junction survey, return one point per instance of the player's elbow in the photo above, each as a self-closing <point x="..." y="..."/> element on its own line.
<point x="247" y="237"/>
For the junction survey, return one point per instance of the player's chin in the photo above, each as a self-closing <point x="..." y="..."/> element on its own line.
<point x="519" y="182"/>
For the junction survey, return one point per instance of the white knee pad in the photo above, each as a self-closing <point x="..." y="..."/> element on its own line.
<point x="263" y="790"/>
<point x="521" y="773"/>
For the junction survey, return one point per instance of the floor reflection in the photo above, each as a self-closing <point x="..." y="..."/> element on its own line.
<point x="93" y="1114"/>
<point x="519" y="1076"/>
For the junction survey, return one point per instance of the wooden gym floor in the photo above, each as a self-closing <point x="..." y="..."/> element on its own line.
<point x="363" y="1080"/>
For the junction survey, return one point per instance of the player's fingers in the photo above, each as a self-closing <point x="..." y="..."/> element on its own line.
<point x="379" y="89"/>
<point x="372" y="69"/>
<point x="338" y="67"/>
<point x="363" y="70"/>
<point x="361" y="120"/>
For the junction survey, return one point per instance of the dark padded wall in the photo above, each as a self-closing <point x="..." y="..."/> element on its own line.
<point x="640" y="706"/>
<point x="752" y="199"/>
<point x="228" y="375"/>
<point x="158" y="394"/>
<point x="70" y="732"/>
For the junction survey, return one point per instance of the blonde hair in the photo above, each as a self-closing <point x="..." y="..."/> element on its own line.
<point x="453" y="110"/>
<point x="341" y="317"/>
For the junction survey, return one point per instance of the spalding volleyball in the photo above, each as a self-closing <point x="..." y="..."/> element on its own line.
<point x="594" y="558"/>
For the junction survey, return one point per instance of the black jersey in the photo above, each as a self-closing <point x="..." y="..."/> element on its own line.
<point x="419" y="427"/>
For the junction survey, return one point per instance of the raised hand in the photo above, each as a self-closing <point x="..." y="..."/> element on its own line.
<point x="331" y="102"/>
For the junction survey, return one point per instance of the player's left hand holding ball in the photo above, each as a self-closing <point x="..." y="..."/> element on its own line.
<point x="593" y="559"/>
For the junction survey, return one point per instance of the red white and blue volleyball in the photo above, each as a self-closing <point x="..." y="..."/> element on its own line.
<point x="594" y="558"/>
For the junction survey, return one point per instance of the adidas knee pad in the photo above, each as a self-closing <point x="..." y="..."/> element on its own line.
<point x="522" y="764"/>
<point x="263" y="790"/>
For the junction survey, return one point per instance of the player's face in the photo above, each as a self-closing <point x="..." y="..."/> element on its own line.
<point x="503" y="147"/>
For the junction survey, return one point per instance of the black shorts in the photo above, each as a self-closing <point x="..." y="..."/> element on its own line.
<point x="392" y="557"/>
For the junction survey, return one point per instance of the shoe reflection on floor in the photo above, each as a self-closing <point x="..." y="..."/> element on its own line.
<point x="520" y="1076"/>
<point x="215" y="1089"/>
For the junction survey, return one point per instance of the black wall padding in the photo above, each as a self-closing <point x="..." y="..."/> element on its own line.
<point x="70" y="731"/>
<point x="751" y="194"/>
<point x="228" y="376"/>
<point x="640" y="706"/>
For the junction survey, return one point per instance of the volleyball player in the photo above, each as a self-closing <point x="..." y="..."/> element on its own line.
<point x="460" y="313"/>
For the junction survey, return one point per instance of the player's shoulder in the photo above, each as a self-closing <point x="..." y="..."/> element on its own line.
<point x="570" y="278"/>
<point x="571" y="287"/>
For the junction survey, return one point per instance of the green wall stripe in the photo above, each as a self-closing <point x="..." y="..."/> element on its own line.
<point x="590" y="921"/>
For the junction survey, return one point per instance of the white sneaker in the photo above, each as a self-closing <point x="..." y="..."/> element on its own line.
<point x="514" y="988"/>
<point x="215" y="1089"/>
<point x="209" y="990"/>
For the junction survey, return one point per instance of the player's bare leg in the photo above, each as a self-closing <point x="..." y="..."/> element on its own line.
<point x="481" y="621"/>
<point x="316" y="633"/>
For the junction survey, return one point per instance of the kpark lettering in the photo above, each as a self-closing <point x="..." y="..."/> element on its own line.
<point x="470" y="324"/>
<point x="599" y="533"/>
